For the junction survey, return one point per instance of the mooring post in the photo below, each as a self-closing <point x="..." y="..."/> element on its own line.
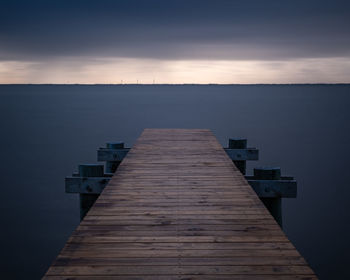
<point x="273" y="204"/>
<point x="238" y="143"/>
<point x="111" y="166"/>
<point x="87" y="200"/>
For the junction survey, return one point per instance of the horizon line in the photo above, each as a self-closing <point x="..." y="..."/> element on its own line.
<point x="168" y="84"/>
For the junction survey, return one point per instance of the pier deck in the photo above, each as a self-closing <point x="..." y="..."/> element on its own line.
<point x="178" y="208"/>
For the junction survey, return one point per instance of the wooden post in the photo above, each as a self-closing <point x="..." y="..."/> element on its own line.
<point x="238" y="143"/>
<point x="111" y="166"/>
<point x="273" y="204"/>
<point x="87" y="200"/>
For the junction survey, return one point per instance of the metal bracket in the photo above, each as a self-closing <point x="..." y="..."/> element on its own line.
<point x="107" y="154"/>
<point x="243" y="154"/>
<point x="274" y="188"/>
<point x="86" y="185"/>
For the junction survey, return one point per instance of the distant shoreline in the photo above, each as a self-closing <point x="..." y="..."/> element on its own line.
<point x="291" y="84"/>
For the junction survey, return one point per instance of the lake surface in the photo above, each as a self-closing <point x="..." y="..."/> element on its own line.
<point x="47" y="130"/>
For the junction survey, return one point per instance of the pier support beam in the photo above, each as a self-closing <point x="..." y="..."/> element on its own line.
<point x="111" y="166"/>
<point x="113" y="155"/>
<point x="238" y="143"/>
<point x="87" y="200"/>
<point x="273" y="204"/>
<point x="268" y="183"/>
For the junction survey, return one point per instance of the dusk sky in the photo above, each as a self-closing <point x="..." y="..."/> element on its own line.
<point x="174" y="41"/>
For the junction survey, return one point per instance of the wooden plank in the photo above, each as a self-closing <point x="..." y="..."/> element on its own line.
<point x="178" y="269"/>
<point x="186" y="277"/>
<point x="143" y="253"/>
<point x="177" y="208"/>
<point x="103" y="220"/>
<point x="192" y="239"/>
<point x="182" y="246"/>
<point x="241" y="260"/>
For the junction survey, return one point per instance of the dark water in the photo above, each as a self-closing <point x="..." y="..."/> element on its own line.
<point x="46" y="131"/>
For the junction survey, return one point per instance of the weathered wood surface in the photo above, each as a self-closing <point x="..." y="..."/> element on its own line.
<point x="177" y="208"/>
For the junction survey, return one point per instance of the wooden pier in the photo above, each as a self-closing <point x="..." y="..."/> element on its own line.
<point x="178" y="208"/>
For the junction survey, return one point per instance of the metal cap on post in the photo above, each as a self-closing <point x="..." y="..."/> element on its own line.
<point x="111" y="166"/>
<point x="274" y="204"/>
<point x="115" y="145"/>
<point x="238" y="143"/>
<point x="87" y="200"/>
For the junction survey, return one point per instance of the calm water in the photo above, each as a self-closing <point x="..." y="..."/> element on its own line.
<point x="46" y="131"/>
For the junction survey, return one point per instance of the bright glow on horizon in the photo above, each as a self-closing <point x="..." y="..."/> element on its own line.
<point x="86" y="70"/>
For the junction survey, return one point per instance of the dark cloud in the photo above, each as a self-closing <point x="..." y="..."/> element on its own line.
<point x="174" y="29"/>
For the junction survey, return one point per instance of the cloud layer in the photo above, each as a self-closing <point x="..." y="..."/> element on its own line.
<point x="236" y="32"/>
